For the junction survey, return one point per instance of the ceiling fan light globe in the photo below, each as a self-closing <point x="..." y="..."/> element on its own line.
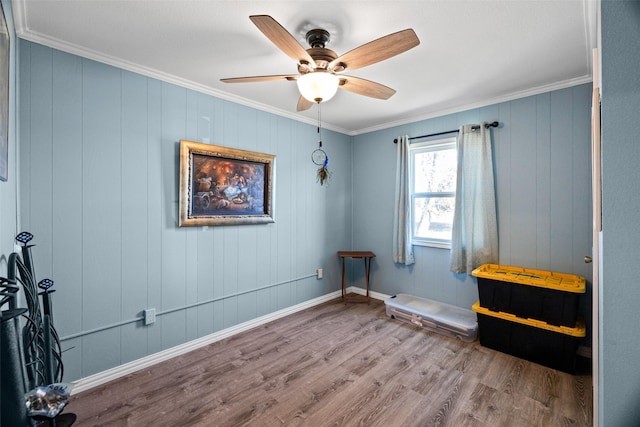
<point x="319" y="86"/>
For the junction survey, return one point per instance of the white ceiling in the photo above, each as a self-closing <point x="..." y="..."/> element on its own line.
<point x="472" y="53"/>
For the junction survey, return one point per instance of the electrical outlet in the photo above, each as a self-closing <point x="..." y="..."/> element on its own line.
<point x="149" y="316"/>
<point x="320" y="273"/>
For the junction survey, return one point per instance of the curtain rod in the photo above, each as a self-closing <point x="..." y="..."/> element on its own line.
<point x="475" y="127"/>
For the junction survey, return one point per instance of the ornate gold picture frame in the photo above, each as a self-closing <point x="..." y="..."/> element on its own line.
<point x="224" y="186"/>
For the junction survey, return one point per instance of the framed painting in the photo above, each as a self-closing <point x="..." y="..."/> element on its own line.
<point x="224" y="186"/>
<point x="4" y="97"/>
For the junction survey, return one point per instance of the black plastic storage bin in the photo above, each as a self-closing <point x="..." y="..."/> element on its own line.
<point x="530" y="294"/>
<point x="533" y="340"/>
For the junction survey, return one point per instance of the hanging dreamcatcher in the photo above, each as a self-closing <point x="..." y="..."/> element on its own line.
<point x="320" y="158"/>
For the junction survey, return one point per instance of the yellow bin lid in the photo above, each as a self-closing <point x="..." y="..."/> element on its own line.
<point x="530" y="277"/>
<point x="579" y="331"/>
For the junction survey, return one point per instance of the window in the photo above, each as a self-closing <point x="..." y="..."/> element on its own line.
<point x="432" y="175"/>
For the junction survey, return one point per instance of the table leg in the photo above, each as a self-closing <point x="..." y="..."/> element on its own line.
<point x="344" y="291"/>
<point x="367" y="269"/>
<point x="366" y="257"/>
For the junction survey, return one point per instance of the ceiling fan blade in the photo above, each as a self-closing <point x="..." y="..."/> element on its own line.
<point x="259" y="78"/>
<point x="303" y="103"/>
<point x="282" y="39"/>
<point x="377" y="50"/>
<point x="365" y="87"/>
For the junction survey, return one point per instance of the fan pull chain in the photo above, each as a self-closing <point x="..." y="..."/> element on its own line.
<point x="319" y="125"/>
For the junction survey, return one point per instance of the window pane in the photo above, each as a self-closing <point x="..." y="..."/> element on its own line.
<point x="435" y="171"/>
<point x="433" y="217"/>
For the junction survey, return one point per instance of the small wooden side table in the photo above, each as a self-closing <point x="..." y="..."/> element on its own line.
<point x="366" y="256"/>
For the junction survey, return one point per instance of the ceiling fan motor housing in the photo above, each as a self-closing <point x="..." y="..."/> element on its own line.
<point x="318" y="37"/>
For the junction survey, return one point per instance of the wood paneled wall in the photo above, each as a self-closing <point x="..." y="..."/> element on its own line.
<point x="99" y="180"/>
<point x="8" y="188"/>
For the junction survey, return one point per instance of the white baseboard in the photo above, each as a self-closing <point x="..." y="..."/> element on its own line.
<point x="372" y="294"/>
<point x="100" y="378"/>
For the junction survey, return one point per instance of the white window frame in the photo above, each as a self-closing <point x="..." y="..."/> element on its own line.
<point x="432" y="145"/>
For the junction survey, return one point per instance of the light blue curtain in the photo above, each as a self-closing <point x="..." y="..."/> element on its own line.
<point x="402" y="248"/>
<point x="474" y="239"/>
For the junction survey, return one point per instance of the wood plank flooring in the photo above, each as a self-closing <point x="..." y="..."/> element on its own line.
<point x="340" y="365"/>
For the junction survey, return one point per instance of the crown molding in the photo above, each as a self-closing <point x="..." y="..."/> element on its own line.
<point x="492" y="101"/>
<point x="22" y="31"/>
<point x="145" y="71"/>
<point x="32" y="36"/>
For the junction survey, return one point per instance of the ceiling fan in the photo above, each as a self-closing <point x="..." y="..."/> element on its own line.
<point x="320" y="69"/>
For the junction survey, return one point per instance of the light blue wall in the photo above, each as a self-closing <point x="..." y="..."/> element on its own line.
<point x="8" y="189"/>
<point x="99" y="183"/>
<point x="620" y="289"/>
<point x="543" y="184"/>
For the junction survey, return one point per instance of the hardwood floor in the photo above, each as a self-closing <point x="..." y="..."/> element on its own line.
<point x="335" y="365"/>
